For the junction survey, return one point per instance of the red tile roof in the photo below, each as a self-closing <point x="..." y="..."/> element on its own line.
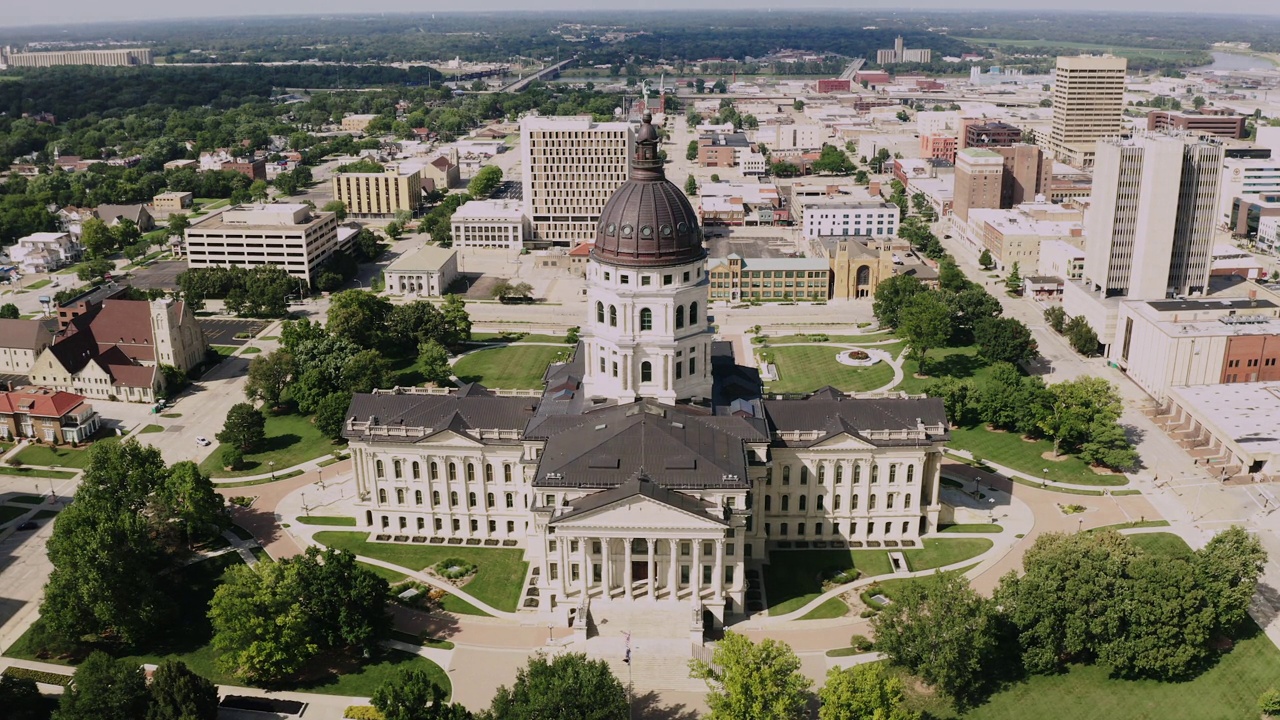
<point x="41" y="402"/>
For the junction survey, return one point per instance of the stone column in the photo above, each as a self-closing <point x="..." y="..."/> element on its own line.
<point x="695" y="571"/>
<point x="562" y="550"/>
<point x="673" y="572"/>
<point x="606" y="572"/>
<point x="651" y="571"/>
<point x="584" y="553"/>
<point x="717" y="577"/>
<point x="546" y="561"/>
<point x="626" y="567"/>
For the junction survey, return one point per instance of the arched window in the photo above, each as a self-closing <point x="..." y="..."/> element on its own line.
<point x="853" y="503"/>
<point x="600" y="312"/>
<point x="804" y="474"/>
<point x="488" y="500"/>
<point x="875" y="473"/>
<point x="786" y="503"/>
<point x="906" y="501"/>
<point x="434" y="468"/>
<point x="864" y="275"/>
<point x="511" y="500"/>
<point x="888" y="501"/>
<point x="646" y="371"/>
<point x="837" y="503"/>
<point x="417" y="497"/>
<point x="488" y="473"/>
<point x="871" y="502"/>
<point x="395" y="468"/>
<point x="613" y="316"/>
<point x="893" y="473"/>
<point x="679" y="316"/>
<point x="453" y="498"/>
<point x="453" y="472"/>
<point x="417" y="470"/>
<point x="768" y="503"/>
<point x="857" y="473"/>
<point x="804" y="503"/>
<point x="646" y="319"/>
<point x="471" y="499"/>
<point x="786" y="474"/>
<point x="471" y="472"/>
<point x="506" y="473"/>
<point x="819" y="501"/>
<point x="382" y="496"/>
<point x="911" y="474"/>
<point x="435" y="497"/>
<point x="378" y="469"/>
<point x="839" y="473"/>
<point x="693" y="313"/>
<point x="822" y="474"/>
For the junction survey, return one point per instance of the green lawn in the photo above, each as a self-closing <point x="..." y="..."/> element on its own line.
<point x="961" y="362"/>
<point x="39" y="284"/>
<point x="327" y="520"/>
<point x="64" y="456"/>
<point x="391" y="576"/>
<point x="291" y="439"/>
<point x="499" y="576"/>
<point x="1132" y="525"/>
<point x="981" y="528"/>
<point x="33" y="472"/>
<point x="794" y="577"/>
<point x="515" y="336"/>
<point x="833" y="608"/>
<point x="854" y="339"/>
<point x="251" y="350"/>
<point x="10" y="512"/>
<point x="224" y="350"/>
<point x="1011" y="450"/>
<point x="511" y="367"/>
<point x="1227" y="691"/>
<point x="151" y="429"/>
<point x="804" y="368"/>
<point x="1161" y="543"/>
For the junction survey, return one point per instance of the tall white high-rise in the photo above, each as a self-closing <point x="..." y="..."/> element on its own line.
<point x="1149" y="229"/>
<point x="1088" y="105"/>
<point x="572" y="166"/>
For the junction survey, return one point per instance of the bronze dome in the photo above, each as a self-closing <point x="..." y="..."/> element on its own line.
<point x="648" y="222"/>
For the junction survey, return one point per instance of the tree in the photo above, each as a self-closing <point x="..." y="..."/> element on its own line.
<point x="232" y="457"/>
<point x="245" y="428"/>
<point x="797" y="105"/>
<point x="891" y="294"/>
<point x="456" y="321"/>
<point x="925" y="322"/>
<point x="485" y="182"/>
<point x="345" y="603"/>
<point x="690" y="186"/>
<point x="863" y="692"/>
<point x="186" y="497"/>
<point x="94" y="268"/>
<point x="258" y="190"/>
<point x="331" y="414"/>
<point x="1013" y="283"/>
<point x="177" y="693"/>
<point x="96" y="238"/>
<point x="971" y="305"/>
<point x="748" y="680"/>
<point x="1009" y="401"/>
<point x="1228" y="568"/>
<point x="985" y="260"/>
<point x="783" y="169"/>
<point x="412" y="696"/>
<point x="566" y="686"/>
<point x="943" y="631"/>
<point x="1002" y="339"/>
<point x="1056" y="318"/>
<point x="9" y="311"/>
<point x="358" y="316"/>
<point x="1168" y="638"/>
<point x="104" y="688"/>
<point x="394" y="230"/>
<point x="1198" y="102"/>
<point x="178" y="224"/>
<point x="260" y="626"/>
<point x="950" y="277"/>
<point x="434" y="360"/>
<point x="832" y="159"/>
<point x="691" y="152"/>
<point x="505" y="288"/>
<point x="21" y="699"/>
<point x="337" y="207"/>
<point x="1081" y="336"/>
<point x="959" y="398"/>
<point x="367" y="370"/>
<point x="268" y="376"/>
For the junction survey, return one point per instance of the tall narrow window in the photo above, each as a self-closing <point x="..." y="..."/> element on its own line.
<point x="613" y="316"/>
<point x="600" y="312"/>
<point x="679" y="316"/>
<point x="693" y="313"/>
<point x="857" y="473"/>
<point x="906" y="501"/>
<point x="804" y="474"/>
<point x="888" y="500"/>
<point x="893" y="473"/>
<point x="453" y="472"/>
<point x="382" y="496"/>
<point x="471" y="499"/>
<point x="786" y="503"/>
<point x="646" y="371"/>
<point x="768" y="503"/>
<point x="911" y="474"/>
<point x="471" y="472"/>
<point x="875" y="473"/>
<point x="804" y="503"/>
<point x="822" y="474"/>
<point x="871" y="502"/>
<point x="378" y="469"/>
<point x="488" y="473"/>
<point x="417" y="470"/>
<point x="506" y="473"/>
<point x="435" y="497"/>
<point x="488" y="500"/>
<point x="646" y="319"/>
<point x="434" y="469"/>
<point x="417" y="497"/>
<point x="839" y="473"/>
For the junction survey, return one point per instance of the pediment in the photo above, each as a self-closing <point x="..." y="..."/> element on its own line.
<point x="638" y="511"/>
<point x="844" y="441"/>
<point x="450" y="438"/>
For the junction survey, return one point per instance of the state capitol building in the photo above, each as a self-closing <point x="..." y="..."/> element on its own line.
<point x="651" y="467"/>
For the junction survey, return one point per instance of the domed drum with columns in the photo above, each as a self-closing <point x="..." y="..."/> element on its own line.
<point x="646" y="333"/>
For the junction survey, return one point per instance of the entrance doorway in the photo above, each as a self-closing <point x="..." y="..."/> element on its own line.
<point x="639" y="570"/>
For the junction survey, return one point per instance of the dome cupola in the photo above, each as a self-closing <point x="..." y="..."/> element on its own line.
<point x="648" y="222"/>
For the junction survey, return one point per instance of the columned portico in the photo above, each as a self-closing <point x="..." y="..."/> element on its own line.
<point x="651" y="567"/>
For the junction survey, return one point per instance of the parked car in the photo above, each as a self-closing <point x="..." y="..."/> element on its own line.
<point x="28" y="525"/>
<point x="202" y="441"/>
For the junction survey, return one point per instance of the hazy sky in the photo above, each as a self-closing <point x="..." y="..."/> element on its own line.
<point x="19" y="12"/>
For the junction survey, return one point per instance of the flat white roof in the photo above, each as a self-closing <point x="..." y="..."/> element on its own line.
<point x="428" y="258"/>
<point x="1246" y="414"/>
<point x="569" y="122"/>
<point x="43" y="237"/>
<point x="509" y="210"/>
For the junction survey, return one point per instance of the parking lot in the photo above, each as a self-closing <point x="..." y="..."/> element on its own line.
<point x="162" y="275"/>
<point x="223" y="331"/>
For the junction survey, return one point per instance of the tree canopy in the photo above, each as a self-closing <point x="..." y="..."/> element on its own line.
<point x="566" y="686"/>
<point x="757" y="680"/>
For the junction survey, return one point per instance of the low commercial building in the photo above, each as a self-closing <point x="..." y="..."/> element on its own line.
<point x="182" y="165"/>
<point x="939" y="147"/>
<point x="721" y="149"/>
<point x="1015" y="236"/>
<point x="792" y="137"/>
<point x="293" y="237"/>
<point x="832" y="85"/>
<point x="490" y="224"/>
<point x="1223" y="122"/>
<point x="427" y="272"/>
<point x="1228" y="260"/>
<point x="749" y="204"/>
<point x="841" y="216"/>
<point x="21" y="342"/>
<point x="44" y="252"/>
<point x="1268" y="239"/>
<point x="171" y="202"/>
<point x="379" y="194"/>
<point x="48" y="415"/>
<point x="991" y="134"/>
<point x="442" y="171"/>
<point x="1061" y="259"/>
<point x="738" y="279"/>
<point x="1233" y="429"/>
<point x="136" y="213"/>
<point x="357" y="123"/>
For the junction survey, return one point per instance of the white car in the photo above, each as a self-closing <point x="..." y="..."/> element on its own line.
<point x="202" y="441"/>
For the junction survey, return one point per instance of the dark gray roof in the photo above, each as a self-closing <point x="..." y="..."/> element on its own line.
<point x="1210" y="304"/>
<point x="830" y="412"/>
<point x="641" y="484"/>
<point x="471" y="407"/>
<point x="679" y="446"/>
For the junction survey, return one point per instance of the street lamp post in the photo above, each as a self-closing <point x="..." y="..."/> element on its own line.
<point x="272" y="464"/>
<point x="1045" y="473"/>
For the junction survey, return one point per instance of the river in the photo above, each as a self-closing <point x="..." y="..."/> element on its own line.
<point x="1234" y="61"/>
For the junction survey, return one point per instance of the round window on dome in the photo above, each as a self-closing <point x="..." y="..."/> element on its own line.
<point x="627" y="230"/>
<point x="613" y="228"/>
<point x="646" y="231"/>
<point x="665" y="231"/>
<point x="682" y="228"/>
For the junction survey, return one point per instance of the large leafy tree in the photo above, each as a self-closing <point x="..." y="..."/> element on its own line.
<point x="1076" y="407"/>
<point x="925" y="322"/>
<point x="457" y="322"/>
<point x="1228" y="568"/>
<point x="347" y="604"/>
<point x="21" y="699"/>
<point x="943" y="631"/>
<point x="260" y="626"/>
<point x="96" y="238"/>
<point x="104" y="688"/>
<point x="412" y="696"/>
<point x="1081" y="335"/>
<point x="760" y="681"/>
<point x="358" y="316"/>
<point x="245" y="428"/>
<point x="177" y="693"/>
<point x="268" y="376"/>
<point x="1010" y="401"/>
<point x="187" y="498"/>
<point x="331" y="414"/>
<point x="367" y="370"/>
<point x="1002" y="339"/>
<point x="569" y="686"/>
<point x="434" y="359"/>
<point x="485" y="182"/>
<point x="892" y="294"/>
<point x="863" y="692"/>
